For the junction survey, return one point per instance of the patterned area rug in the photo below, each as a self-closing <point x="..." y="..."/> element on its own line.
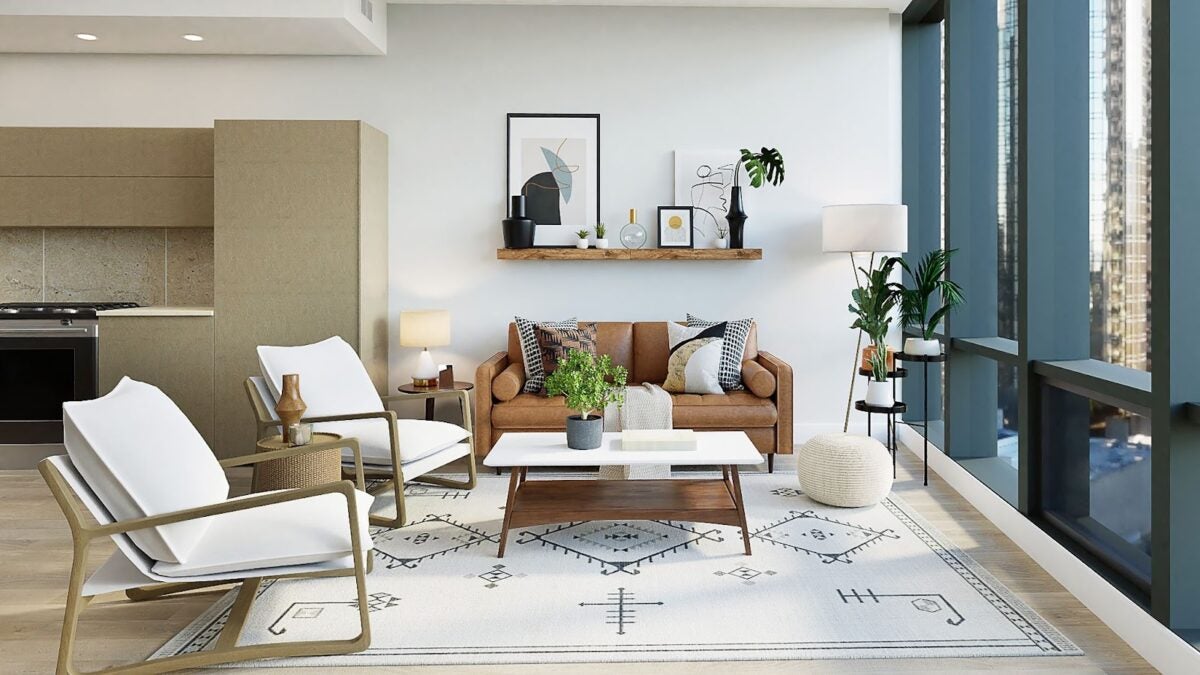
<point x="823" y="583"/>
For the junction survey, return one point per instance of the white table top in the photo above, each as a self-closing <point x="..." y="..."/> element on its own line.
<point x="550" y="449"/>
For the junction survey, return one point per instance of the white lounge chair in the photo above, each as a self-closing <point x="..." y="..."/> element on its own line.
<point x="152" y="484"/>
<point x="342" y="399"/>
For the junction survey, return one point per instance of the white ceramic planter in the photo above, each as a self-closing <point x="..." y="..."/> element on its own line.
<point x="601" y="243"/>
<point x="922" y="347"/>
<point x="880" y="394"/>
<point x="582" y="243"/>
<point x="721" y="243"/>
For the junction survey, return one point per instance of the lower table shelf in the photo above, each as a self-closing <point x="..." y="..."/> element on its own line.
<point x="541" y="502"/>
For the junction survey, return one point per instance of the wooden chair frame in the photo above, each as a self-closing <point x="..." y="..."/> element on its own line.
<point x="394" y="475"/>
<point x="83" y="533"/>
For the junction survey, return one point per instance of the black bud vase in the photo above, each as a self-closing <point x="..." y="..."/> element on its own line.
<point x="737" y="218"/>
<point x="518" y="230"/>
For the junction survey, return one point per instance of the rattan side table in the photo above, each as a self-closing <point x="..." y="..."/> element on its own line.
<point x="307" y="470"/>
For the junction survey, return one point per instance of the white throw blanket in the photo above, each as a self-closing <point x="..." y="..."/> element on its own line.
<point x="646" y="407"/>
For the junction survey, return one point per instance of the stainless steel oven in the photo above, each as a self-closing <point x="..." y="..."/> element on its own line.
<point x="49" y="354"/>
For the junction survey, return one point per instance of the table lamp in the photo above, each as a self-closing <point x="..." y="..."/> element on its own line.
<point x="425" y="328"/>
<point x="863" y="228"/>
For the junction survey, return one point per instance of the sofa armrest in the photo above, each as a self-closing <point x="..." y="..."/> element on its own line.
<point x="485" y="374"/>
<point x="783" y="399"/>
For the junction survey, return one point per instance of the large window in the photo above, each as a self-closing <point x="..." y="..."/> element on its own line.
<point x="1007" y="187"/>
<point x="1119" y="181"/>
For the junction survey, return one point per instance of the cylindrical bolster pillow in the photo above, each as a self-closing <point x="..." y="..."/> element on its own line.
<point x="509" y="383"/>
<point x="757" y="379"/>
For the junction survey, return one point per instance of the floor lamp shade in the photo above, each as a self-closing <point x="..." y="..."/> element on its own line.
<point x="425" y="328"/>
<point x="864" y="228"/>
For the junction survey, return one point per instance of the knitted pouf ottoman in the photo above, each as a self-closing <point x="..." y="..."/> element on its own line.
<point x="844" y="470"/>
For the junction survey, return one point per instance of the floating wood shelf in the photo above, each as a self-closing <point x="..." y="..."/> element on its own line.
<point x="571" y="253"/>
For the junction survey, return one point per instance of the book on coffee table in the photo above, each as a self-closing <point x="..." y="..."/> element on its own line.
<point x="658" y="439"/>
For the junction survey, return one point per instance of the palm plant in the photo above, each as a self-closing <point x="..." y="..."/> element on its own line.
<point x="874" y="300"/>
<point x="764" y="166"/>
<point x="929" y="280"/>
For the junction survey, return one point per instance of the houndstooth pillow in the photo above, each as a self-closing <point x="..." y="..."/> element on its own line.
<point x="535" y="370"/>
<point x="736" y="334"/>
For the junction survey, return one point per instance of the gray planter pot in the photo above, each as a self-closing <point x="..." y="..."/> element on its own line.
<point x="584" y="434"/>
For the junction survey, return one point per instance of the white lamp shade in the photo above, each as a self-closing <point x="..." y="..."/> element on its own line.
<point x="425" y="328"/>
<point x="864" y="228"/>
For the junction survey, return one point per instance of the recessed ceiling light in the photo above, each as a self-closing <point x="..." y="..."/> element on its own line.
<point x="192" y="37"/>
<point x="86" y="36"/>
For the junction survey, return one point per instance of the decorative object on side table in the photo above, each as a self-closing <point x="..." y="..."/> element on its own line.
<point x="863" y="228"/>
<point x="290" y="406"/>
<point x="675" y="227"/>
<point x="601" y="236"/>
<point x="590" y="383"/>
<point x="425" y="329"/>
<point x="518" y="229"/>
<point x="554" y="162"/>
<point x="582" y="242"/>
<point x="764" y="166"/>
<point x="928" y="279"/>
<point x="633" y="235"/>
<point x="873" y="303"/>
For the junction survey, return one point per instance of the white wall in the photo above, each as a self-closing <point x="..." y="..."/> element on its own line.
<point x="821" y="85"/>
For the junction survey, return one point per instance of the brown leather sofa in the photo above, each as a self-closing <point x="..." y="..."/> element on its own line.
<point x="763" y="410"/>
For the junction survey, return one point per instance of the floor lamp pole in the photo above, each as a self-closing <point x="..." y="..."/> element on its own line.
<point x="857" y="348"/>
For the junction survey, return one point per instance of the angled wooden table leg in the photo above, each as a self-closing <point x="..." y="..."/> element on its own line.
<point x="516" y="475"/>
<point x="741" y="505"/>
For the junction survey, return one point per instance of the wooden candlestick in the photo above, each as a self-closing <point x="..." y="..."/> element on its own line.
<point x="290" y="406"/>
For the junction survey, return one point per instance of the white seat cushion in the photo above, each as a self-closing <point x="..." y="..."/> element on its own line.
<point x="300" y="532"/>
<point x="418" y="438"/>
<point x="141" y="456"/>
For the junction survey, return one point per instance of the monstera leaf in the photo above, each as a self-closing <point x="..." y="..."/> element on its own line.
<point x="764" y="166"/>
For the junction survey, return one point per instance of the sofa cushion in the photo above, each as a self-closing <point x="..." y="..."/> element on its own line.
<point x="142" y="457"/>
<point x="509" y="382"/>
<point x="758" y="380"/>
<point x="556" y="343"/>
<point x="531" y="354"/>
<point x="732" y="410"/>
<point x="695" y="362"/>
<point x="736" y="334"/>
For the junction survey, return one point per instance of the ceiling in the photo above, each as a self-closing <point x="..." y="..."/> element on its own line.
<point x="318" y="27"/>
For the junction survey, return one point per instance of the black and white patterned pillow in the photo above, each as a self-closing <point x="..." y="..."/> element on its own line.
<point x="736" y="334"/>
<point x="535" y="370"/>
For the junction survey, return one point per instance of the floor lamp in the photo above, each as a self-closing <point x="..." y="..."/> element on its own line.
<point x="863" y="228"/>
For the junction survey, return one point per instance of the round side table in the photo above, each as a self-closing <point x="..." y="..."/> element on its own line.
<point x="307" y="470"/>
<point x="429" y="393"/>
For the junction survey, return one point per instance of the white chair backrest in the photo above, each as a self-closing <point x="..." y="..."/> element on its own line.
<point x="333" y="380"/>
<point x="141" y="456"/>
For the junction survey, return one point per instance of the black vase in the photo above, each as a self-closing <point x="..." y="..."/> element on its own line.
<point x="737" y="218"/>
<point x="518" y="230"/>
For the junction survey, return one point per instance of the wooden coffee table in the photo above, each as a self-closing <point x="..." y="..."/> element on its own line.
<point x="700" y="500"/>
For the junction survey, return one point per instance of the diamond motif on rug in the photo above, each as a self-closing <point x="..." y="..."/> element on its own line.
<point x="620" y="546"/>
<point x="828" y="539"/>
<point x="746" y="574"/>
<point x="433" y="536"/>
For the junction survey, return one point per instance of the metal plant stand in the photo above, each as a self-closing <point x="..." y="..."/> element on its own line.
<point x="924" y="424"/>
<point x="889" y="413"/>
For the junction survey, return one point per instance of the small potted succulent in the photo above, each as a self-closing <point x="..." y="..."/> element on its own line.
<point x="601" y="239"/>
<point x="928" y="281"/>
<point x="873" y="304"/>
<point x="590" y="383"/>
<point x="722" y="236"/>
<point x="583" y="239"/>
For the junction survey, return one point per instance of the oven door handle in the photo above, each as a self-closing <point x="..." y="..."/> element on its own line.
<point x="65" y="330"/>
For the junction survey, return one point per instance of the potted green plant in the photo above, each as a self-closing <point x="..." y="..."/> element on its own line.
<point x="764" y="166"/>
<point x="929" y="289"/>
<point x="601" y="238"/>
<point x="589" y="383"/>
<point x="583" y="238"/>
<point x="873" y="303"/>
<point x="722" y="236"/>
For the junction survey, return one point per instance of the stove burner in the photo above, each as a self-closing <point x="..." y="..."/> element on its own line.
<point x="81" y="310"/>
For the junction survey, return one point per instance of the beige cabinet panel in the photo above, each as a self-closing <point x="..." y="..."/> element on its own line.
<point x="174" y="353"/>
<point x="105" y="151"/>
<point x="105" y="202"/>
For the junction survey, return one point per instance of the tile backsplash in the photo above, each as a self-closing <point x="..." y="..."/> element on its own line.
<point x="149" y="266"/>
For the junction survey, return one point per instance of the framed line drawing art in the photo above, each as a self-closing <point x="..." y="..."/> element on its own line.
<point x="675" y="227"/>
<point x="554" y="160"/>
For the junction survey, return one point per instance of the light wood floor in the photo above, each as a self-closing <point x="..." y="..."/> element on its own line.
<point x="35" y="558"/>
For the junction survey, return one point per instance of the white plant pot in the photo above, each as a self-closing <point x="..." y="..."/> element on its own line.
<point x="880" y="394"/>
<point x="721" y="243"/>
<point x="601" y="243"/>
<point x="582" y="243"/>
<point x="922" y="347"/>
